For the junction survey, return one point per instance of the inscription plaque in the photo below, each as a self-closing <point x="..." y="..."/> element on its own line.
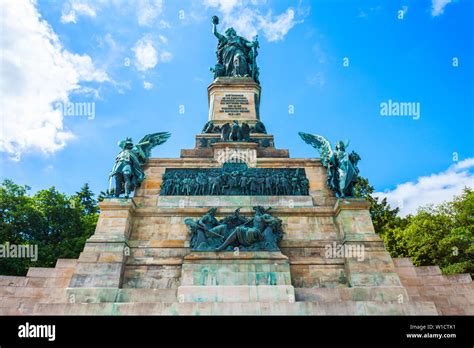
<point x="234" y="104"/>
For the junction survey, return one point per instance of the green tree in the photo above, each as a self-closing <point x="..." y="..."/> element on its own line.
<point x="57" y="223"/>
<point x="384" y="218"/>
<point x="438" y="235"/>
<point x="17" y="223"/>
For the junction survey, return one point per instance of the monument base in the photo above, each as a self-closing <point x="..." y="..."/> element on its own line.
<point x="258" y="276"/>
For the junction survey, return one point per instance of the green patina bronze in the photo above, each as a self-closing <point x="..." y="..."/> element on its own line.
<point x="235" y="179"/>
<point x="236" y="56"/>
<point x="234" y="131"/>
<point x="127" y="170"/>
<point x="342" y="170"/>
<point x="263" y="232"/>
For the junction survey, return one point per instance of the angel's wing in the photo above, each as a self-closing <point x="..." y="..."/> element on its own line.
<point x="320" y="143"/>
<point x="148" y="142"/>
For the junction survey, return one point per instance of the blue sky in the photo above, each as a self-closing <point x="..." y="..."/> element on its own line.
<point x="140" y="61"/>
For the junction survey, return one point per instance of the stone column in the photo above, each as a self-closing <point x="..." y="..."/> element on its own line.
<point x="369" y="267"/>
<point x="99" y="272"/>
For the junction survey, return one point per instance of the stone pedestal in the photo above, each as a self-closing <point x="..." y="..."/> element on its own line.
<point x="99" y="270"/>
<point x="236" y="277"/>
<point x="374" y="266"/>
<point x="234" y="98"/>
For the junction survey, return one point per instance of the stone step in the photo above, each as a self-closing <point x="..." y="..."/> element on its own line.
<point x="394" y="293"/>
<point x="43" y="282"/>
<point x="403" y="262"/>
<point x="31" y="292"/>
<point x="12" y="281"/>
<point x="50" y="272"/>
<point x="110" y="295"/>
<point x="423" y="271"/>
<point x="464" y="278"/>
<point x="236" y="293"/>
<point x="147" y="295"/>
<point x="15" y="302"/>
<point x="236" y="308"/>
<point x="227" y="278"/>
<point x="66" y="263"/>
<point x="432" y="280"/>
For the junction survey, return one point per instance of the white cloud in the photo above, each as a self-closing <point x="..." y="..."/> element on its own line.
<point x="276" y="29"/>
<point x="437" y="7"/>
<point x="146" y="56"/>
<point x="148" y="11"/>
<point x="147" y="85"/>
<point x="76" y="8"/>
<point x="246" y="18"/>
<point x="36" y="73"/>
<point x="433" y="189"/>
<point x="225" y="6"/>
<point x="69" y="17"/>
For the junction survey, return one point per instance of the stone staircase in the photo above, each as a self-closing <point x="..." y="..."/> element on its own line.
<point x="20" y="295"/>
<point x="452" y="294"/>
<point x="425" y="291"/>
<point x="240" y="308"/>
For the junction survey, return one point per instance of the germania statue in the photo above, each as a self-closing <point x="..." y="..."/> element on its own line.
<point x="127" y="170"/>
<point x="342" y="170"/>
<point x="236" y="56"/>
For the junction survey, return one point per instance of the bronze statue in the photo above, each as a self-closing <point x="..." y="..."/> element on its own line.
<point x="262" y="232"/>
<point x="236" y="56"/>
<point x="342" y="170"/>
<point x="127" y="170"/>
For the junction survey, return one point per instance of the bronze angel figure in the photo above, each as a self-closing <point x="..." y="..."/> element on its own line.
<point x="342" y="170"/>
<point x="127" y="170"/>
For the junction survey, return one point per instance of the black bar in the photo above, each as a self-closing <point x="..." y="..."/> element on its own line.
<point x="162" y="331"/>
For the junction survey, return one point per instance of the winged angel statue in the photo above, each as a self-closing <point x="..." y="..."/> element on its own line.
<point x="127" y="170"/>
<point x="342" y="171"/>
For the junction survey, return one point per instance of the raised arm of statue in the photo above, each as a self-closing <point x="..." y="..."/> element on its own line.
<point x="215" y="21"/>
<point x="219" y="36"/>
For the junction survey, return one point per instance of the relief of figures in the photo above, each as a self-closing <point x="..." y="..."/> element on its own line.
<point x="263" y="232"/>
<point x="239" y="181"/>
